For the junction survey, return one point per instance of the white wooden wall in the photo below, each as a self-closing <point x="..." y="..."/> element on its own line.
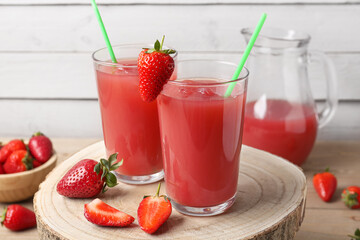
<point x="46" y="75"/>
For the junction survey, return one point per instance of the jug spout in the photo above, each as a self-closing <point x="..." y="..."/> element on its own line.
<point x="278" y="38"/>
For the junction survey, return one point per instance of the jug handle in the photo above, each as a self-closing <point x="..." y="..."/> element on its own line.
<point x="328" y="111"/>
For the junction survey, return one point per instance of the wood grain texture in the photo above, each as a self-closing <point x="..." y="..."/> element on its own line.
<point x="342" y="157"/>
<point x="74" y="28"/>
<point x="45" y="49"/>
<point x="173" y="2"/>
<point x="71" y="75"/>
<point x="270" y="205"/>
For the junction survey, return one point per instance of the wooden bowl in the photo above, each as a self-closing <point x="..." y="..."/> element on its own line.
<point x="16" y="187"/>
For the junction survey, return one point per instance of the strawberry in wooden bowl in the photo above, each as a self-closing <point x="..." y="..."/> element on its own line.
<point x="24" y="166"/>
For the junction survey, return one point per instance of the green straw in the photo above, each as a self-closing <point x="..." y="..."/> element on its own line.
<point x="112" y="55"/>
<point x="246" y="54"/>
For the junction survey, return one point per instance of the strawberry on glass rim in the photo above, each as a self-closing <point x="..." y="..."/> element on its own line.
<point x="155" y="67"/>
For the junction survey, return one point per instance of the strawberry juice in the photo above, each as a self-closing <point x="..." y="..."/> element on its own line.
<point x="130" y="125"/>
<point x="280" y="127"/>
<point x="201" y="135"/>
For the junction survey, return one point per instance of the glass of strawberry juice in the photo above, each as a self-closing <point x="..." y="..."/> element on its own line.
<point x="201" y="135"/>
<point x="130" y="125"/>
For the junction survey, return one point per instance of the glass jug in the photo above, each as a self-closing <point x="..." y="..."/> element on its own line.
<point x="281" y="115"/>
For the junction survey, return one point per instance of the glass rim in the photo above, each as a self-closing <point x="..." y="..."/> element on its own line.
<point x="289" y="35"/>
<point x="125" y="46"/>
<point x="180" y="82"/>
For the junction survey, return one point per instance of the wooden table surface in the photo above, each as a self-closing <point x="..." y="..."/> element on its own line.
<point x="323" y="221"/>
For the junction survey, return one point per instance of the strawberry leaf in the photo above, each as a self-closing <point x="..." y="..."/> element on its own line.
<point x="103" y="175"/>
<point x="350" y="199"/>
<point x="116" y="165"/>
<point x="28" y="161"/>
<point x="111" y="180"/>
<point x="37" y="134"/>
<point x="106" y="166"/>
<point x="3" y="216"/>
<point x="97" y="168"/>
<point x="157" y="46"/>
<point x="112" y="158"/>
<point x="356" y="236"/>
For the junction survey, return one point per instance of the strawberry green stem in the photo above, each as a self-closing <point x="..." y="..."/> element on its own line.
<point x="158" y="190"/>
<point x="162" y="42"/>
<point x="2" y="219"/>
<point x="37" y="134"/>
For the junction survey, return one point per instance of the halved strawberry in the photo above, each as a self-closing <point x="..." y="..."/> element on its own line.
<point x="153" y="211"/>
<point x="155" y="67"/>
<point x="102" y="214"/>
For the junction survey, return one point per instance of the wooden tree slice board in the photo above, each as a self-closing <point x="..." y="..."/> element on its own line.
<point x="270" y="204"/>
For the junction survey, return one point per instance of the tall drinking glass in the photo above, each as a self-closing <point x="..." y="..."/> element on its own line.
<point x="130" y="125"/>
<point x="201" y="134"/>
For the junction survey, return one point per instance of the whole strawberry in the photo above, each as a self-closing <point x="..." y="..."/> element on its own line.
<point x="18" y="161"/>
<point x="102" y="214"/>
<point x="17" y="218"/>
<point x="155" y="68"/>
<point x="351" y="197"/>
<point x="36" y="163"/>
<point x="88" y="178"/>
<point x="153" y="211"/>
<point x="325" y="185"/>
<point x="40" y="147"/>
<point x="10" y="147"/>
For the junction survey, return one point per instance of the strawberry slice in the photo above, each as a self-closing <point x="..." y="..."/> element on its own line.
<point x="102" y="214"/>
<point x="155" y="67"/>
<point x="153" y="211"/>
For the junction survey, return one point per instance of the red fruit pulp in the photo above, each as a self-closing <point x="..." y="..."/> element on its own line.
<point x="201" y="136"/>
<point x="282" y="128"/>
<point x="102" y="214"/>
<point x="130" y="125"/>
